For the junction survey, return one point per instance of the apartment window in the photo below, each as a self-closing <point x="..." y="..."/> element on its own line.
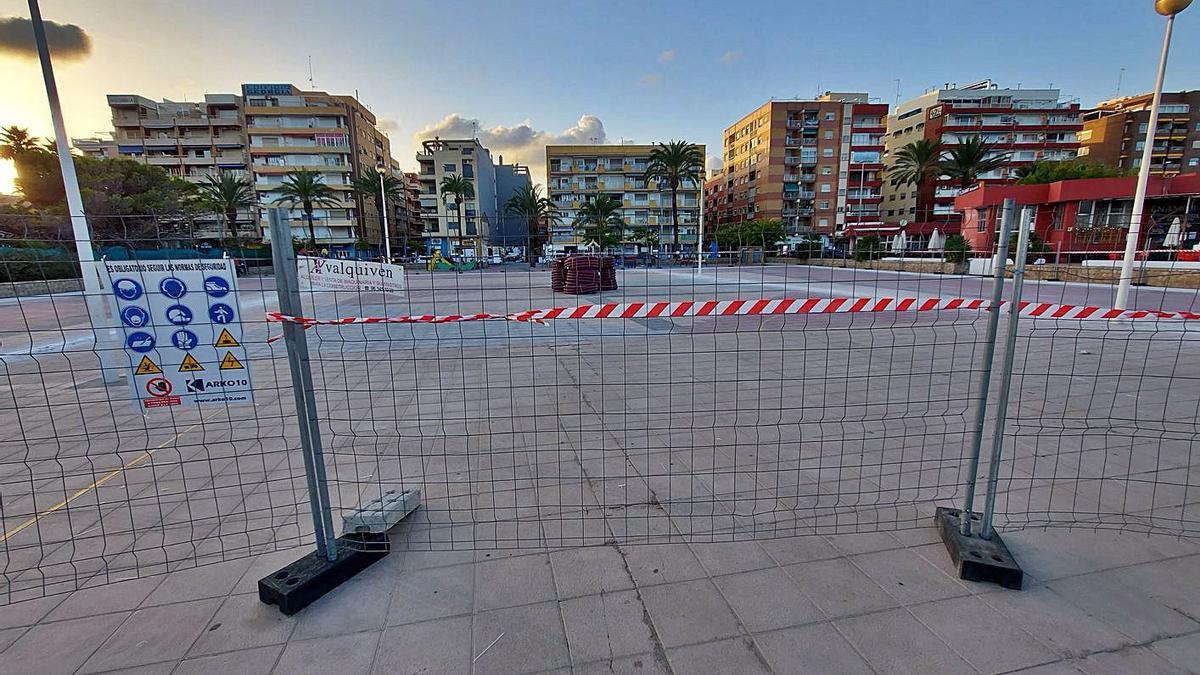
<point x="829" y="117"/>
<point x="1195" y="161"/>
<point x="1174" y="109"/>
<point x="467" y="151"/>
<point x="827" y="152"/>
<point x="468" y="169"/>
<point x="823" y="222"/>
<point x="826" y="187"/>
<point x="824" y="203"/>
<point x="829" y="134"/>
<point x="1083" y="217"/>
<point x="826" y="171"/>
<point x="981" y="216"/>
<point x="449" y="168"/>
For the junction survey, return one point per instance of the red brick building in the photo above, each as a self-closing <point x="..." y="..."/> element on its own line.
<point x="1086" y="216"/>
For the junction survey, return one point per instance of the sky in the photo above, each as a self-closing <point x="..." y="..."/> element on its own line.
<point x="524" y="73"/>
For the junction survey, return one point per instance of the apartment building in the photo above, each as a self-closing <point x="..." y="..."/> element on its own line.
<point x="577" y="173"/>
<point x="816" y="165"/>
<point x="288" y="129"/>
<point x="1026" y="124"/>
<point x="1114" y="133"/>
<point x="96" y="146"/>
<point x="187" y="139"/>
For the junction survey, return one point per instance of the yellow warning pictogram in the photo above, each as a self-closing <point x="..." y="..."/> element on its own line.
<point x="147" y="367"/>
<point x="226" y="340"/>
<point x="190" y="364"/>
<point x="230" y="362"/>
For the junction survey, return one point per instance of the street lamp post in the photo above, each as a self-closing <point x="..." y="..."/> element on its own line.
<point x="383" y="207"/>
<point x="1168" y="8"/>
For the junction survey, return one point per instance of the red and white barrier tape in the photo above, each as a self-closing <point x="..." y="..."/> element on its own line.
<point x="693" y="308"/>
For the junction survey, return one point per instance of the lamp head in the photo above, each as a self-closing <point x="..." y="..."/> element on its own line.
<point x="1171" y="7"/>
<point x="380" y="170"/>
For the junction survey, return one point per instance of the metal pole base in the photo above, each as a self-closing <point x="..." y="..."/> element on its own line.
<point x="301" y="583"/>
<point x="977" y="559"/>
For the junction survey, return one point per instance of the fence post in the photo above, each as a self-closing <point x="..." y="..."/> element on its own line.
<point x="989" y="357"/>
<point x="1010" y="343"/>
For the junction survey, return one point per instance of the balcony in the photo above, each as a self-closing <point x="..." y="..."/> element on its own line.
<point x="202" y="141"/>
<point x="163" y="160"/>
<point x="791" y="177"/>
<point x="160" y="142"/>
<point x="794" y="124"/>
<point x="791" y="161"/>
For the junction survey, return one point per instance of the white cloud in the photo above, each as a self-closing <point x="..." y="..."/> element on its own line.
<point x="521" y="143"/>
<point x="67" y="41"/>
<point x="387" y="124"/>
<point x="731" y="57"/>
<point x="649" y="79"/>
<point x="667" y="56"/>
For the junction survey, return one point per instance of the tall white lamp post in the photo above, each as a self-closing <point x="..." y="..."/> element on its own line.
<point x="1168" y="8"/>
<point x="383" y="208"/>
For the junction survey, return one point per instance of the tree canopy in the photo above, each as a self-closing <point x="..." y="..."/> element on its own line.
<point x="1052" y="172"/>
<point x="765" y="233"/>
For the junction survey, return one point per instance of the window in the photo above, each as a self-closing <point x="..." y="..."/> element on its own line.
<point x="827" y="152"/>
<point x="449" y="168"/>
<point x="1056" y="221"/>
<point x="468" y="170"/>
<point x="824" y="222"/>
<point x="1195" y="161"/>
<point x="829" y="116"/>
<point x="1083" y="217"/>
<point x="828" y="134"/>
<point x="826" y="170"/>
<point x="981" y="216"/>
<point x="824" y="203"/>
<point x="826" y="187"/>
<point x="1174" y="109"/>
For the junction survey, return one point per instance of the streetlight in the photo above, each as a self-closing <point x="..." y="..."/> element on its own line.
<point x="1168" y="8"/>
<point x="387" y="242"/>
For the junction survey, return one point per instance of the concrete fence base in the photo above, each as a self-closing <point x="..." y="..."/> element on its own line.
<point x="21" y="289"/>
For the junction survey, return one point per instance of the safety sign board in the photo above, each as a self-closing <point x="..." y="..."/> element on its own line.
<point x="325" y="274"/>
<point x="182" y="326"/>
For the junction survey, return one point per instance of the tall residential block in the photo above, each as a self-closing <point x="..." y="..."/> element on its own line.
<point x="482" y="224"/>
<point x="1114" y="133"/>
<point x="816" y="165"/>
<point x="186" y="139"/>
<point x="576" y="174"/>
<point x="1027" y="125"/>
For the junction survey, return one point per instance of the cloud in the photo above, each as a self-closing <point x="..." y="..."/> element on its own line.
<point x="649" y="79"/>
<point x="387" y="124"/>
<point x="67" y="41"/>
<point x="667" y="56"/>
<point x="731" y="57"/>
<point x="521" y="143"/>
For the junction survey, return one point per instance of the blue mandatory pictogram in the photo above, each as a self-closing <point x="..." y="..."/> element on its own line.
<point x="127" y="289"/>
<point x="135" y="317"/>
<point x="173" y="288"/>
<point x="220" y="312"/>
<point x="179" y="315"/>
<point x="184" y="339"/>
<point x="140" y="342"/>
<point x="217" y="287"/>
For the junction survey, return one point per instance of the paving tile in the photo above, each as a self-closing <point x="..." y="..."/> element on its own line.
<point x="864" y="542"/>
<point x="816" y="648"/>
<point x="438" y="646"/>
<point x="59" y="647"/>
<point x="894" y="642"/>
<point x="432" y="593"/>
<point x="601" y="627"/>
<point x="1128" y="610"/>
<point x="726" y="656"/>
<point x="728" y="558"/>
<point x="1160" y="581"/>
<point x="589" y="570"/>
<point x="154" y="634"/>
<point x="118" y="597"/>
<point x="28" y="612"/>
<point x="789" y="550"/>
<point x="688" y="612"/>
<point x="907" y="576"/>
<point x="358" y="605"/>
<point x="639" y="664"/>
<point x="988" y="640"/>
<point x="1182" y="651"/>
<point x="1056" y="668"/>
<point x="532" y="634"/>
<point x="206" y="581"/>
<point x="767" y="599"/>
<point x="9" y="636"/>
<point x="242" y="622"/>
<point x="838" y="588"/>
<point x="421" y="560"/>
<point x="345" y="654"/>
<point x="1061" y="626"/>
<point x="513" y="581"/>
<point x="662" y="563"/>
<point x="257" y="661"/>
<point x="1130" y="660"/>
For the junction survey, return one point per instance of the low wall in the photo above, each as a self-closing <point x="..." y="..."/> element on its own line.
<point x="21" y="289"/>
<point x="926" y="266"/>
<point x="1165" y="278"/>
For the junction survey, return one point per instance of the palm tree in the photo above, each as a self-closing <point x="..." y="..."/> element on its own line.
<point x="226" y="193"/>
<point x="15" y="141"/>
<point x="917" y="163"/>
<point x="462" y="188"/>
<point x="673" y="163"/>
<point x="305" y="188"/>
<point x="368" y="185"/>
<point x="969" y="158"/>
<point x="599" y="216"/>
<point x="537" y="211"/>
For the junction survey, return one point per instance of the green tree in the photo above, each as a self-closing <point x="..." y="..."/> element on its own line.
<point x="916" y="164"/>
<point x="601" y="219"/>
<point x="957" y="248"/>
<point x="869" y="247"/>
<point x="226" y="193"/>
<point x="808" y="246"/>
<point x="674" y="163"/>
<point x="539" y="214"/>
<point x="1037" y="247"/>
<point x="1052" y="172"/>
<point x="970" y="157"/>
<point x="765" y="234"/>
<point x="368" y="186"/>
<point x="462" y="188"/>
<point x="306" y="189"/>
<point x="644" y="236"/>
<point x="16" y="141"/>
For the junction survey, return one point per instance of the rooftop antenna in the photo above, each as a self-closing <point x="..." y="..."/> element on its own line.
<point x="1120" y="80"/>
<point x="310" y="77"/>
<point x="897" y="93"/>
<point x="474" y="129"/>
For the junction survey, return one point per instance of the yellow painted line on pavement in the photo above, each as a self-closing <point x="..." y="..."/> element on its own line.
<point x="101" y="481"/>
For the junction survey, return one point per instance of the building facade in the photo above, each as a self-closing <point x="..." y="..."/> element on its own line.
<point x="1089" y="215"/>
<point x="97" y="146"/>
<point x="1114" y="133"/>
<point x="576" y="174"/>
<point x="1028" y="125"/>
<point x="816" y="165"/>
<point x="189" y="140"/>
